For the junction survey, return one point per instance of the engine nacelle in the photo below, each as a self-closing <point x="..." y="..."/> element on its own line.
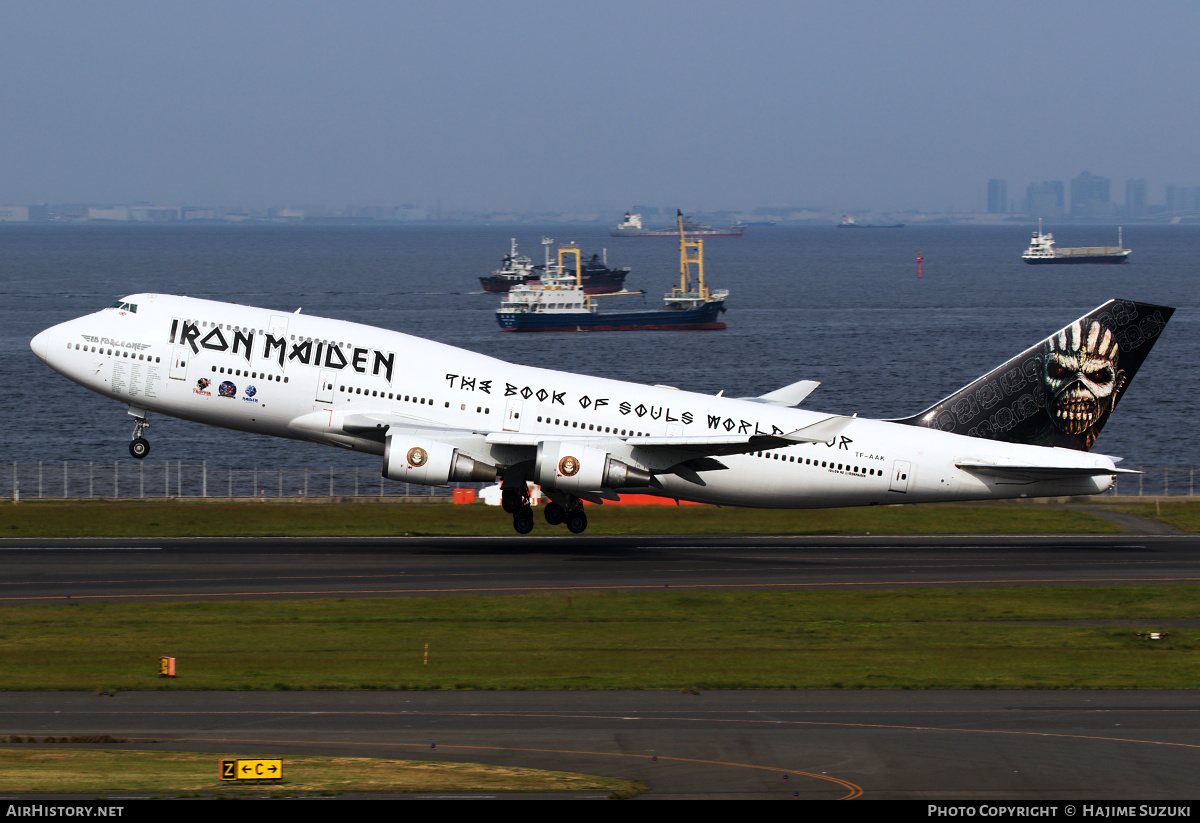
<point x="421" y="460"/>
<point x="573" y="467"/>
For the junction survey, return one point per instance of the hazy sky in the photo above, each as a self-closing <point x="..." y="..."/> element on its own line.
<point x="523" y="104"/>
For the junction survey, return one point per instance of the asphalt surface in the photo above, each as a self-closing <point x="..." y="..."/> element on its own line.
<point x="950" y="746"/>
<point x="201" y="568"/>
<point x="933" y="746"/>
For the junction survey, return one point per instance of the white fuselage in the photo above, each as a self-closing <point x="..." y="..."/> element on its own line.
<point x="304" y="377"/>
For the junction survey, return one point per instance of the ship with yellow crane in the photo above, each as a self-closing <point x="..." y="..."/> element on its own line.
<point x="557" y="300"/>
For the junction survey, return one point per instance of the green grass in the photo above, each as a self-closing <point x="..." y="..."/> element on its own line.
<point x="271" y="519"/>
<point x="54" y="769"/>
<point x="913" y="638"/>
<point x="1182" y="514"/>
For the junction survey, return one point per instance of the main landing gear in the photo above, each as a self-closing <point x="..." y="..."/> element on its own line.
<point x="517" y="505"/>
<point x="139" y="446"/>
<point x="571" y="513"/>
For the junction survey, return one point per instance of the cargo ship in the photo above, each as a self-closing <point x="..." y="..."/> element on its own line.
<point x="1041" y="250"/>
<point x="632" y="227"/>
<point x="848" y="222"/>
<point x="557" y="302"/>
<point x="517" y="269"/>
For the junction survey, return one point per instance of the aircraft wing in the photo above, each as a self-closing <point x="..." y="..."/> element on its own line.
<point x="376" y="425"/>
<point x="683" y="456"/>
<point x="697" y="445"/>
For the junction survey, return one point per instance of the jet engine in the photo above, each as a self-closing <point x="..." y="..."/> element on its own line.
<point x="574" y="467"/>
<point x="421" y="460"/>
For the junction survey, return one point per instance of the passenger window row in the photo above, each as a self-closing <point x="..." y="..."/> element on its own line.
<point x="257" y="375"/>
<point x="591" y="427"/>
<point x="102" y="350"/>
<point x="388" y="395"/>
<point x="808" y="461"/>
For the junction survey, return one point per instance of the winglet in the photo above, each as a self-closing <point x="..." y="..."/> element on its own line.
<point x="792" y="395"/>
<point x="821" y="432"/>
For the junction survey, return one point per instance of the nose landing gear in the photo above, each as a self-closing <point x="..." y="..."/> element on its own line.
<point x="139" y="446"/>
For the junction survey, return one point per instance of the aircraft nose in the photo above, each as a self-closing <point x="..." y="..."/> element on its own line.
<point x="41" y="345"/>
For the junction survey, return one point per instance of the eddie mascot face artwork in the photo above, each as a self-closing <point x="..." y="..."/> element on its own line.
<point x="1082" y="378"/>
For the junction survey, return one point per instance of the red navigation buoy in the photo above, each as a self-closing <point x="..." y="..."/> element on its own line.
<point x="920" y="260"/>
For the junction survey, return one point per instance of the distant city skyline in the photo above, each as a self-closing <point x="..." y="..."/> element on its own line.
<point x="532" y="105"/>
<point x="1045" y="198"/>
<point x="1085" y="197"/>
<point x="1090" y="197"/>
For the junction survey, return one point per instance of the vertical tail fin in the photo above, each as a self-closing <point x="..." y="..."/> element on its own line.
<point x="1061" y="391"/>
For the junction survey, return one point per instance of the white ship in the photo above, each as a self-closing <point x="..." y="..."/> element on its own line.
<point x="1041" y="250"/>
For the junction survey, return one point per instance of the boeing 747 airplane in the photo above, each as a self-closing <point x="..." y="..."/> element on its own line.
<point x="437" y="414"/>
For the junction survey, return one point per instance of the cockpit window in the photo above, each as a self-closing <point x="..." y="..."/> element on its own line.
<point x="123" y="306"/>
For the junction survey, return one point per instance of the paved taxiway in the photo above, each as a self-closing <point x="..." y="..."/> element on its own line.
<point x="927" y="745"/>
<point x="958" y="746"/>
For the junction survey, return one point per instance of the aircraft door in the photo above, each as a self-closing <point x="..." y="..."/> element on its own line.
<point x="325" y="386"/>
<point x="512" y="416"/>
<point x="179" y="363"/>
<point x="279" y="323"/>
<point x="900" y="472"/>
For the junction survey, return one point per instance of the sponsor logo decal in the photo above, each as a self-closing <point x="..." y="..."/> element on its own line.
<point x="202" y="384"/>
<point x="121" y="344"/>
<point x="417" y="456"/>
<point x="227" y="389"/>
<point x="568" y="466"/>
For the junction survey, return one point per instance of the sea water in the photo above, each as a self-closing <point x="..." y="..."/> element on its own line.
<point x="842" y="307"/>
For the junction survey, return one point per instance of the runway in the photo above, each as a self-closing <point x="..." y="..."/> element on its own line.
<point x="952" y="746"/>
<point x="144" y="569"/>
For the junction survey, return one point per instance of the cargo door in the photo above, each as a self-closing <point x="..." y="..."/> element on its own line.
<point x="900" y="472"/>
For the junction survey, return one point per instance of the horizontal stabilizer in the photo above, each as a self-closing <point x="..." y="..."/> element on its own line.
<point x="1032" y="473"/>
<point x="788" y="396"/>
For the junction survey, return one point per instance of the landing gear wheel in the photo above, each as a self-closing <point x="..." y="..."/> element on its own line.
<point x="139" y="447"/>
<point x="577" y="522"/>
<point x="555" y="514"/>
<point x="512" y="502"/>
<point x="523" y="520"/>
